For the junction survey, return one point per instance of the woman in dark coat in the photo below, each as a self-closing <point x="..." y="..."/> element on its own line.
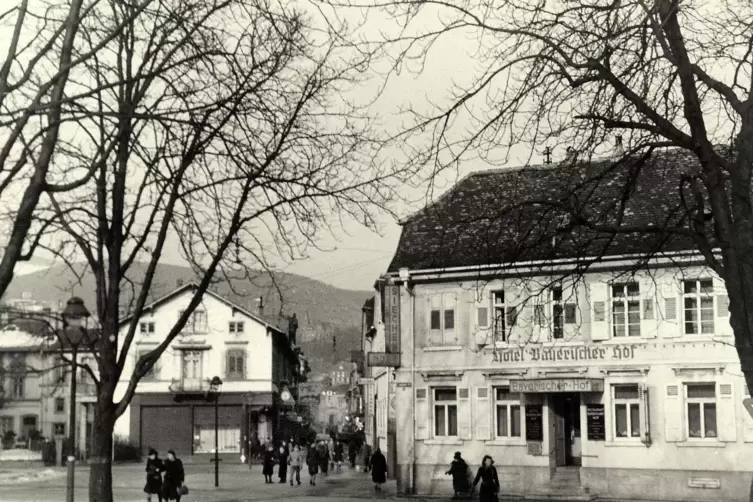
<point x="487" y="473"/>
<point x="174" y="477"/>
<point x="459" y="471"/>
<point x="269" y="464"/>
<point x="154" y="469"/>
<point x="312" y="461"/>
<point x="282" y="458"/>
<point x="378" y="469"/>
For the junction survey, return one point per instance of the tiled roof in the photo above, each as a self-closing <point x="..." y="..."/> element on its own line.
<point x="512" y="215"/>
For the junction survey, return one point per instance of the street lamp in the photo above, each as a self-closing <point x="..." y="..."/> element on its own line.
<point x="75" y="323"/>
<point x="215" y="387"/>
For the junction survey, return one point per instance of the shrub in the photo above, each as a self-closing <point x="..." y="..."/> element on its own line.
<point x="125" y="451"/>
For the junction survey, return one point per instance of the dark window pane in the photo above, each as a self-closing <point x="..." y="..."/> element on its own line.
<point x="515" y="421"/>
<point x="709" y="419"/>
<point x="452" y="420"/>
<point x="445" y="394"/>
<point x="618" y="290"/>
<point x="439" y="421"/>
<point x="502" y="420"/>
<point x="626" y="392"/>
<point x="449" y="319"/>
<point x="570" y="309"/>
<point x="690" y="287"/>
<point x="557" y="294"/>
<point x="635" y="421"/>
<point x="633" y="289"/>
<point x="620" y="420"/>
<point x="436" y="319"/>
<point x="701" y="391"/>
<point x="707" y="287"/>
<point x="499" y="297"/>
<point x="694" y="420"/>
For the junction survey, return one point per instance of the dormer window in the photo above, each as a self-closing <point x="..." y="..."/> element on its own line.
<point x="146" y="327"/>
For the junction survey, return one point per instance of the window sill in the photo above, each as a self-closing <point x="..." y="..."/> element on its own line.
<point x="445" y="442"/>
<point x="627" y="443"/>
<point x="626" y="340"/>
<point x="700" y="443"/>
<point x="506" y="442"/>
<point x="236" y="342"/>
<point x="443" y="348"/>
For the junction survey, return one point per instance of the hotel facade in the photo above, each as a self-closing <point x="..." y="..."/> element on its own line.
<point x="614" y="377"/>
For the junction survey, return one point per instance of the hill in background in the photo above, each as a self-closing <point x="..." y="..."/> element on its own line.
<point x="323" y="311"/>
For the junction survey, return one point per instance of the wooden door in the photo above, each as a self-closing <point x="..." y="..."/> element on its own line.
<point x="560" y="434"/>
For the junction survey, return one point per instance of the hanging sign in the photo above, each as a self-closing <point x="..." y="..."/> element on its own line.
<point x="392" y="319"/>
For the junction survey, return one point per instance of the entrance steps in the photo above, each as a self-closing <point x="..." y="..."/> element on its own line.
<point x="564" y="485"/>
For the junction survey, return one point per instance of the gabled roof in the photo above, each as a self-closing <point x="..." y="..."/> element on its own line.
<point x="528" y="214"/>
<point x="191" y="286"/>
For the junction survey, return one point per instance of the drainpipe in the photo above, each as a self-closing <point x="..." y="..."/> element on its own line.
<point x="405" y="277"/>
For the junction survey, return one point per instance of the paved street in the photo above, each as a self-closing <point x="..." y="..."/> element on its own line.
<point x="237" y="483"/>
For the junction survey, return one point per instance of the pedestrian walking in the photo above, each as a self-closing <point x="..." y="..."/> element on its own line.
<point x="366" y="456"/>
<point x="282" y="458"/>
<point x="295" y="460"/>
<point x="175" y="476"/>
<point x="323" y="458"/>
<point x="352" y="454"/>
<point x="378" y="469"/>
<point x="312" y="462"/>
<point x="154" y="470"/>
<point x="487" y="474"/>
<point x="339" y="455"/>
<point x="331" y="454"/>
<point x="268" y="469"/>
<point x="459" y="472"/>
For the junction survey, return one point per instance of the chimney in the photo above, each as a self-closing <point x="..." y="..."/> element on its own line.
<point x="260" y="301"/>
<point x="179" y="283"/>
<point x="619" y="151"/>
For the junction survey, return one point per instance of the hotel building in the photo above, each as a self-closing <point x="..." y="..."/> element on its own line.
<point x="584" y="365"/>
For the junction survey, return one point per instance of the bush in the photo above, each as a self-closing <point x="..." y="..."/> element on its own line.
<point x="125" y="451"/>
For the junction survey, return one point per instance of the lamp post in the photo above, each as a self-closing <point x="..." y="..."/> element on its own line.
<point x="215" y="386"/>
<point x="75" y="323"/>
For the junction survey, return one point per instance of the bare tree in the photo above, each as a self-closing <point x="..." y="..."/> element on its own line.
<point x="220" y="128"/>
<point x="661" y="74"/>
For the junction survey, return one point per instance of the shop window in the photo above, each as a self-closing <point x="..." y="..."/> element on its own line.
<point x="442" y="319"/>
<point x="445" y="412"/>
<point x="700" y="402"/>
<point x="627" y="421"/>
<point x="507" y="413"/>
<point x="626" y="310"/>
<point x="146" y="328"/>
<point x="698" y="303"/>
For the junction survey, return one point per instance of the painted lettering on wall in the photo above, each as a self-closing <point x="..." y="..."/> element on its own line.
<point x="565" y="354"/>
<point x="392" y="319"/>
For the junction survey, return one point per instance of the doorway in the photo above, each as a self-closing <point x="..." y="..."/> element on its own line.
<point x="567" y="441"/>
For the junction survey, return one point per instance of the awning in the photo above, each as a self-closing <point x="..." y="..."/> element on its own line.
<point x="546" y="385"/>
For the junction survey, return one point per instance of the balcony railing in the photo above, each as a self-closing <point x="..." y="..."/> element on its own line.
<point x="189" y="385"/>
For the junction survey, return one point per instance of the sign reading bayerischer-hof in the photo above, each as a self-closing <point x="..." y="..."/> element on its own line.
<point x="392" y="319"/>
<point x="595" y="428"/>
<point x="543" y="385"/>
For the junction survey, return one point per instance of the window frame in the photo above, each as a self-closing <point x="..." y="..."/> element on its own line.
<point x="198" y="358"/>
<point x="17" y="381"/>
<point x="702" y="402"/>
<point x="508" y="404"/>
<point x="146" y="328"/>
<point x="234" y="355"/>
<point x="625" y="300"/>
<point x="54" y="427"/>
<point x="153" y="373"/>
<point x="235" y="327"/>
<point x="448" y="335"/>
<point x="61" y="408"/>
<point x="698" y="296"/>
<point x="499" y="316"/>
<point x="446" y="405"/>
<point x="628" y="403"/>
<point x="10" y="420"/>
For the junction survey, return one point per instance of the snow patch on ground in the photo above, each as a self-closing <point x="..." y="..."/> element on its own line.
<point x="19" y="455"/>
<point x="26" y="475"/>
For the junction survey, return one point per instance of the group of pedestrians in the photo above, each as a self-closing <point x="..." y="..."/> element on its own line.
<point x="486" y="475"/>
<point x="164" y="478"/>
<point x="318" y="457"/>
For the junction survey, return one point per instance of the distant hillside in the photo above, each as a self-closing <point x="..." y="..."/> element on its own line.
<point x="323" y="311"/>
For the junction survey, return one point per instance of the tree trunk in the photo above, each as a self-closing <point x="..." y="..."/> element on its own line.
<point x="100" y="473"/>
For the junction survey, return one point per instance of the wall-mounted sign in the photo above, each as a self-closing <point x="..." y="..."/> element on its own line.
<point x="388" y="359"/>
<point x="595" y="428"/>
<point x="534" y="448"/>
<point x="557" y="385"/>
<point x="365" y="381"/>
<point x="392" y="319"/>
<point x="586" y="352"/>
<point x="534" y="423"/>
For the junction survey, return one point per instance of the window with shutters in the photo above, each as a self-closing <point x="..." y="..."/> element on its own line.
<point x="445" y="412"/>
<point x="236" y="364"/>
<point x="442" y="319"/>
<point x="627" y="414"/>
<point x="507" y="413"/>
<point x="698" y="303"/>
<point x="700" y="406"/>
<point x="500" y="312"/>
<point x="626" y="310"/>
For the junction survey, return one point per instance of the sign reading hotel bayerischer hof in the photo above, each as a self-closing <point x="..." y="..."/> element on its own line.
<point x="566" y="354"/>
<point x="392" y="318"/>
